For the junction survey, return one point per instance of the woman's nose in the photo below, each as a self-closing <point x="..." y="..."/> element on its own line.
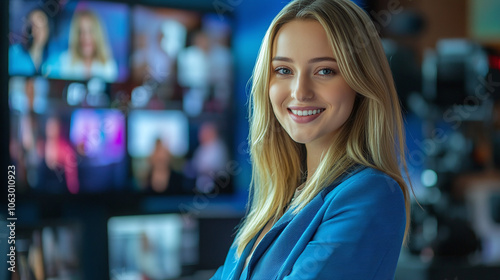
<point x="302" y="90"/>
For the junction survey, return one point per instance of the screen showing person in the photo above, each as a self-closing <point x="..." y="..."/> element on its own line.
<point x="182" y="55"/>
<point x="29" y="35"/>
<point x="28" y="100"/>
<point x="210" y="159"/>
<point x="99" y="133"/>
<point x="158" y="36"/>
<point x="49" y="251"/>
<point x="158" y="142"/>
<point x="29" y="254"/>
<point x="152" y="246"/>
<point x="61" y="251"/>
<point x="98" y="136"/>
<point x="90" y="39"/>
<point x="88" y="54"/>
<point x="28" y="94"/>
<point x="205" y="67"/>
<point x="58" y="170"/>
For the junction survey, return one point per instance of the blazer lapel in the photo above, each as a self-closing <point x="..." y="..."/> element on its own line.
<point x="301" y="222"/>
<point x="238" y="269"/>
<point x="284" y="239"/>
<point x="269" y="238"/>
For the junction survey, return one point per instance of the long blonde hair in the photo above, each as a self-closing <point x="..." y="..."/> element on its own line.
<point x="372" y="136"/>
<point x="102" y="52"/>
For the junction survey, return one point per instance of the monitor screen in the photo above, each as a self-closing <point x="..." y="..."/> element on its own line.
<point x="74" y="40"/>
<point x="160" y="246"/>
<point x="182" y="56"/>
<point x="158" y="143"/>
<point x="50" y="251"/>
<point x="98" y="138"/>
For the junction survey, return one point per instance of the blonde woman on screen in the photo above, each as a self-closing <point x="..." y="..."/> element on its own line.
<point x="89" y="54"/>
<point x="327" y="197"/>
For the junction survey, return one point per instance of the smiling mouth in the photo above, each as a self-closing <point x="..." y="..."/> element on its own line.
<point x="305" y="113"/>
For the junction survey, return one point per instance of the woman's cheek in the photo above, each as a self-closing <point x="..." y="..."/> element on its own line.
<point x="277" y="94"/>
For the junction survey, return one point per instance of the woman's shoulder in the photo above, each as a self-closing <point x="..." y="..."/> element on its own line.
<point x="65" y="56"/>
<point x="16" y="49"/>
<point x="107" y="70"/>
<point x="20" y="62"/>
<point x="367" y="196"/>
<point x="367" y="186"/>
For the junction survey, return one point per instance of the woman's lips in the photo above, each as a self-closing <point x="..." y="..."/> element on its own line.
<point x="304" y="114"/>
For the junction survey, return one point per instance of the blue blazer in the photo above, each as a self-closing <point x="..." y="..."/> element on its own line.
<point x="352" y="230"/>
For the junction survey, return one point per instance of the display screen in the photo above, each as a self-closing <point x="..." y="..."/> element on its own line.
<point x="152" y="246"/>
<point x="158" y="142"/>
<point x="181" y="55"/>
<point x="73" y="40"/>
<point x="50" y="251"/>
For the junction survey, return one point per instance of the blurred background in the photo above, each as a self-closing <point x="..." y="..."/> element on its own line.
<point x="126" y="122"/>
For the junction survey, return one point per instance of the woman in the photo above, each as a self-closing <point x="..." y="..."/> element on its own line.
<point x="27" y="58"/>
<point x="159" y="162"/>
<point x="60" y="158"/>
<point x="88" y="54"/>
<point x="328" y="200"/>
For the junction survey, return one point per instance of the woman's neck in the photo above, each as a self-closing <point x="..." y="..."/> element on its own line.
<point x="87" y="61"/>
<point x="313" y="158"/>
<point x="315" y="150"/>
<point x="312" y="165"/>
<point x="36" y="56"/>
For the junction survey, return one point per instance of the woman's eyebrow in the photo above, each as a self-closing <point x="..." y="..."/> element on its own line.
<point x="282" y="58"/>
<point x="312" y="60"/>
<point x="323" y="58"/>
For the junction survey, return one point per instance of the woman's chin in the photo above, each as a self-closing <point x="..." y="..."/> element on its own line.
<point x="301" y="139"/>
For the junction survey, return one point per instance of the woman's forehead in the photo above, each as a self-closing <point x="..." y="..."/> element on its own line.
<point x="301" y="39"/>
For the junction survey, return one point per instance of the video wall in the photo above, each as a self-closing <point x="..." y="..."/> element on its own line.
<point x="112" y="97"/>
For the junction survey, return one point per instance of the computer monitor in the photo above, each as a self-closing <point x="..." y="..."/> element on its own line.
<point x="162" y="246"/>
<point x="51" y="250"/>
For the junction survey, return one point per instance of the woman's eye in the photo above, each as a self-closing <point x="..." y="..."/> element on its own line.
<point x="326" y="71"/>
<point x="283" y="71"/>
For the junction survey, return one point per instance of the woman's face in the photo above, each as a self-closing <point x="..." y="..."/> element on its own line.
<point x="309" y="96"/>
<point x="86" y="38"/>
<point x="39" y="28"/>
<point x="52" y="128"/>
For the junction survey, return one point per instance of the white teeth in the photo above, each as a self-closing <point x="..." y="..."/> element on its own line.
<point x="306" y="112"/>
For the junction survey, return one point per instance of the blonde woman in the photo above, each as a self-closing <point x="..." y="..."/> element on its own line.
<point x="88" y="54"/>
<point x="328" y="200"/>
